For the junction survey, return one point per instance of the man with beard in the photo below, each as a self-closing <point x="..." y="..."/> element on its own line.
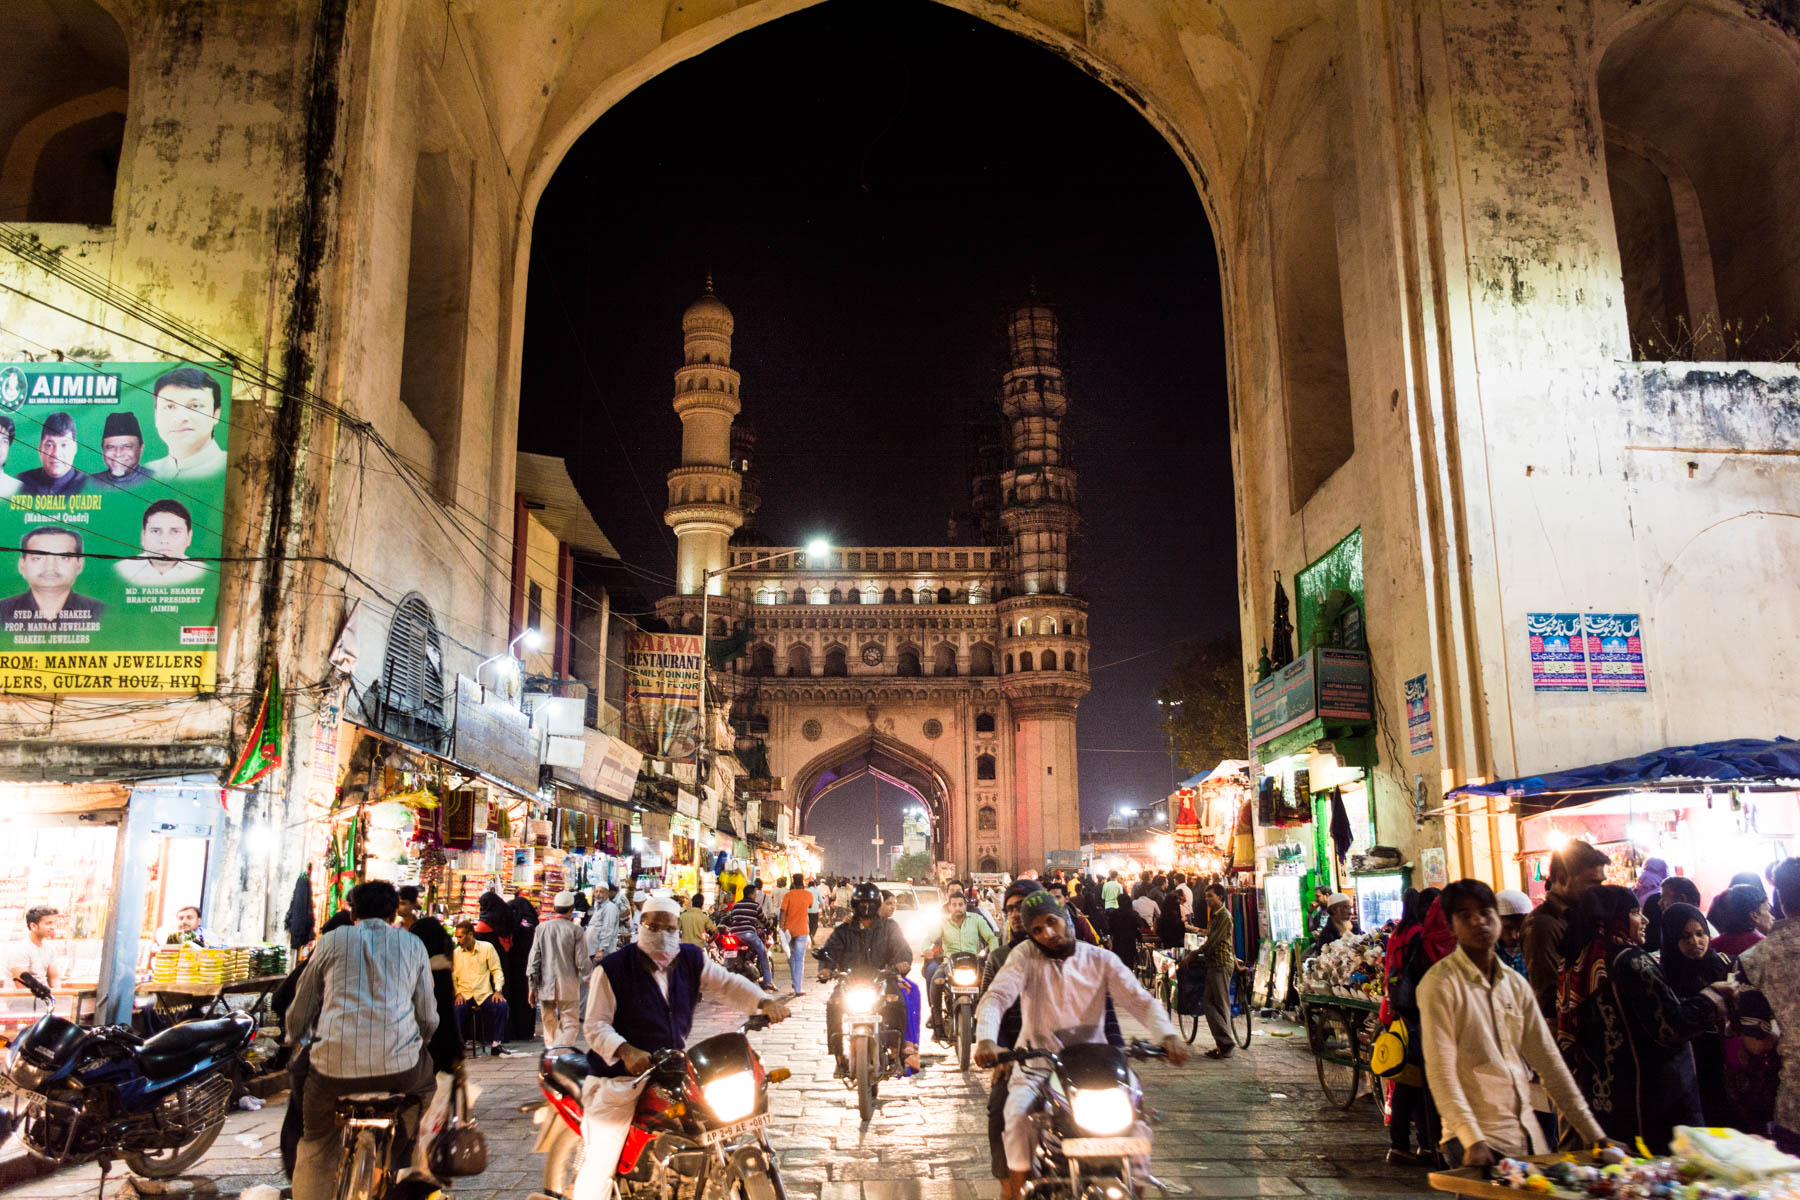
<point x="641" y="1000"/>
<point x="1062" y="986"/>
<point x="869" y="941"/>
<point x="1012" y="905"/>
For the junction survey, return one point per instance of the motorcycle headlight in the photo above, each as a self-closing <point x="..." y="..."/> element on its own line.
<point x="731" y="1097"/>
<point x="860" y="999"/>
<point x="1105" y="1112"/>
<point x="965" y="976"/>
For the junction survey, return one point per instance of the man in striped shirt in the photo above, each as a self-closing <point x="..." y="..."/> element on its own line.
<point x="365" y="999"/>
<point x="746" y="920"/>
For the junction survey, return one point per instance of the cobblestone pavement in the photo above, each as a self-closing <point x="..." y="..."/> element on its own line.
<point x="1253" y="1125"/>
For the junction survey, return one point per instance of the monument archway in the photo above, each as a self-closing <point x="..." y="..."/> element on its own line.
<point x="887" y="759"/>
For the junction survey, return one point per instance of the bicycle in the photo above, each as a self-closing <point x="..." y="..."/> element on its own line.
<point x="372" y="1129"/>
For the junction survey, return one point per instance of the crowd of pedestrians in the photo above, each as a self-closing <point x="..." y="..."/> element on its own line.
<point x="1603" y="1014"/>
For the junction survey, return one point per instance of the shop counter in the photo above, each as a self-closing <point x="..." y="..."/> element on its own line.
<point x="209" y="998"/>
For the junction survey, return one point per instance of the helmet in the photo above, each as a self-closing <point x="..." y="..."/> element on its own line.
<point x="865" y="900"/>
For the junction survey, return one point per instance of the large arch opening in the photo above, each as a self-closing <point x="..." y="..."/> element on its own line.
<point x="874" y="783"/>
<point x="782" y="158"/>
<point x="62" y="113"/>
<point x="1703" y="192"/>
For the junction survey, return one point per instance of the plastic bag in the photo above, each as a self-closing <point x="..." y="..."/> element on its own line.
<point x="1728" y="1154"/>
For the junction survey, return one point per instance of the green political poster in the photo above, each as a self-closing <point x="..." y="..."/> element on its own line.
<point x="112" y="497"/>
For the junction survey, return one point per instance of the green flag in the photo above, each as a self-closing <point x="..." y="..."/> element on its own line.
<point x="262" y="750"/>
<point x="720" y="651"/>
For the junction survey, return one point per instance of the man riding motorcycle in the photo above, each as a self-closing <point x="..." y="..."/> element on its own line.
<point x="961" y="933"/>
<point x="867" y="940"/>
<point x="1062" y="986"/>
<point x="641" y="999"/>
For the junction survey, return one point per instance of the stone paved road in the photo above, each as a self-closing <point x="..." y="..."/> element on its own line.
<point x="1255" y="1125"/>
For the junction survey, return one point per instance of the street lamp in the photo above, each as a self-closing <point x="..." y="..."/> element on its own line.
<point x="817" y="551"/>
<point x="534" y="641"/>
<point x="1169" y="737"/>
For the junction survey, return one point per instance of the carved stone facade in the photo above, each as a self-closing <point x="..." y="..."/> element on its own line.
<point x="951" y="671"/>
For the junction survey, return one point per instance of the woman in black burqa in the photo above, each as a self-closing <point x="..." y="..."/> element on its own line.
<point x="518" y="986"/>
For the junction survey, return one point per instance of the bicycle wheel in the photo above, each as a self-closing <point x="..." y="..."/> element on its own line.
<point x="1190" y="1026"/>
<point x="1245" y="1009"/>
<point x="360" y="1173"/>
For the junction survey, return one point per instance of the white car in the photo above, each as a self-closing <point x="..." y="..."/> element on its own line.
<point x="918" y="910"/>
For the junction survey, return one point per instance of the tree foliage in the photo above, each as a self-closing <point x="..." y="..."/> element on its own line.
<point x="917" y="865"/>
<point x="1202" y="698"/>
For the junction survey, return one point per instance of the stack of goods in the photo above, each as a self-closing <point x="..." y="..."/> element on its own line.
<point x="1709" y="1164"/>
<point x="268" y="959"/>
<point x="1352" y="967"/>
<point x="191" y="966"/>
<point x="472" y="888"/>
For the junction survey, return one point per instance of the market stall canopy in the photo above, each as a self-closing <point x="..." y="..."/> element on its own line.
<point x="1744" y="762"/>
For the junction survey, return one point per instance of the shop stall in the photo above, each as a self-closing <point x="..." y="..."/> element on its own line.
<point x="1707" y="811"/>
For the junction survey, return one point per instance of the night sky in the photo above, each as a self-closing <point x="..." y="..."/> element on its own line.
<point x="872" y="183"/>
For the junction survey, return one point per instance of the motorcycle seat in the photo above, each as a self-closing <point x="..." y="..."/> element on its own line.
<point x="569" y="1070"/>
<point x="175" y="1050"/>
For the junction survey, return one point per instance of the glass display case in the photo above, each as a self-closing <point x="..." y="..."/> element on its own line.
<point x="1287" y="917"/>
<point x="1379" y="897"/>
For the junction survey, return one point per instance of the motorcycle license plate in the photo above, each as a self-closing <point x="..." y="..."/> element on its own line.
<point x="1116" y="1147"/>
<point x="737" y="1132"/>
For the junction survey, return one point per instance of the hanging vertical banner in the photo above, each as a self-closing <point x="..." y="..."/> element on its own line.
<point x="1558" y="652"/>
<point x="1418" y="715"/>
<point x="322" y="764"/>
<point x="1615" y="652"/>
<point x="662" y="693"/>
<point x="112" y="498"/>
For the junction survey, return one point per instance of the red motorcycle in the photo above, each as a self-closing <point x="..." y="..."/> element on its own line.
<point x="734" y="954"/>
<point x="701" y="1127"/>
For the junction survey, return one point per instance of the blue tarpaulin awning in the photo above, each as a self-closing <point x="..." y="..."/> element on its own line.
<point x="1743" y="761"/>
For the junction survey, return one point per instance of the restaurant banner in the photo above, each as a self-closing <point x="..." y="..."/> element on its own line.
<point x="662" y="693"/>
<point x="112" y="497"/>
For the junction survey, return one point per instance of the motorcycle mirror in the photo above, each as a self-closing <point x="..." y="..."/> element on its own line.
<point x="780" y="1075"/>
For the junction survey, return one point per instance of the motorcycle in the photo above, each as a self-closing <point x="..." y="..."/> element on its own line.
<point x="962" y="991"/>
<point x="701" y="1127"/>
<point x="157" y="1103"/>
<point x="731" y="952"/>
<point x="872" y="1047"/>
<point x="1092" y="1139"/>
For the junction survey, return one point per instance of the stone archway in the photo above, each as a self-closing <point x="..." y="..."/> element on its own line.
<point x="887" y="759"/>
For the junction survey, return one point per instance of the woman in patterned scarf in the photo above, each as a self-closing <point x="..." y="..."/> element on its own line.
<point x="1623" y="1030"/>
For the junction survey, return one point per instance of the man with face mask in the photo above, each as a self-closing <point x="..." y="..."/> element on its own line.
<point x="1062" y="986"/>
<point x="641" y="1000"/>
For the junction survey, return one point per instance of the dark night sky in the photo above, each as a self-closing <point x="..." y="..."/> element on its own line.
<point x="872" y="183"/>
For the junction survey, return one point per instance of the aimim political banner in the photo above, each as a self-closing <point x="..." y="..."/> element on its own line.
<point x="662" y="693"/>
<point x="112" y="497"/>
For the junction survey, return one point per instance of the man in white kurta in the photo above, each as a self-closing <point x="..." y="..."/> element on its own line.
<point x="557" y="968"/>
<point x="1062" y="985"/>
<point x="680" y="976"/>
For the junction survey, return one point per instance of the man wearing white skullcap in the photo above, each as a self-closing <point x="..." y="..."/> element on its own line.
<point x="640" y="1000"/>
<point x="555" y="971"/>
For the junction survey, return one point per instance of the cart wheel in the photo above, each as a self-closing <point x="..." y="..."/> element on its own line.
<point x="1190" y="1026"/>
<point x="1333" y="1038"/>
<point x="1240" y="1020"/>
<point x="1339" y="1083"/>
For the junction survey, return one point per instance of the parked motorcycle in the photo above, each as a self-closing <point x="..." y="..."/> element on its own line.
<point x="701" y="1128"/>
<point x="735" y="955"/>
<point x="106" y="1094"/>
<point x="872" y="1046"/>
<point x="962" y="991"/>
<point x="1093" y="1142"/>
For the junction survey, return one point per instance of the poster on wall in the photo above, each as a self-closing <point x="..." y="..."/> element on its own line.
<point x="1432" y="870"/>
<point x="112" y="494"/>
<point x="1558" y="652"/>
<point x="662" y="693"/>
<point x="1615" y="652"/>
<point x="1418" y="715"/>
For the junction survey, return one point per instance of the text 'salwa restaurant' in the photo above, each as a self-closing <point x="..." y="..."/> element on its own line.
<point x="112" y="503"/>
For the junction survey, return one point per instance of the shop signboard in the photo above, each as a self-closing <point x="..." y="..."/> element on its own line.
<point x="112" y="501"/>
<point x="662" y="693"/>
<point x="709" y="808"/>
<point x="1325" y="684"/>
<point x="616" y="771"/>
<point x="687" y="804"/>
<point x="1063" y="860"/>
<point x="494" y="737"/>
<point x="1615" y="651"/>
<point x="1418" y="715"/>
<point x="1558" y="652"/>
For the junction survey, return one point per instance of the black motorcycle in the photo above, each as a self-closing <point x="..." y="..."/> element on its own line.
<point x="106" y="1093"/>
<point x="872" y="1046"/>
<point x="1092" y="1141"/>
<point x="962" y="991"/>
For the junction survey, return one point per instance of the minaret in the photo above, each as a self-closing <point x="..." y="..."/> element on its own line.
<point x="704" y="491"/>
<point x="1044" y="641"/>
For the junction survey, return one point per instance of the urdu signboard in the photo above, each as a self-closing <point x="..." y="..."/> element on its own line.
<point x="1324" y="684"/>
